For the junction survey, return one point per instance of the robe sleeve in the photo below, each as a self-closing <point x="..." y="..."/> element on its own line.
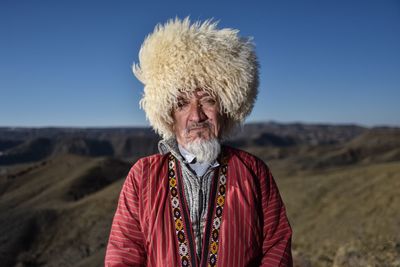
<point x="126" y="241"/>
<point x="277" y="232"/>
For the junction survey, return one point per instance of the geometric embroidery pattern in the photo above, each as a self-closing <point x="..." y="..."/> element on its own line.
<point x="216" y="224"/>
<point x="178" y="218"/>
<point x="177" y="214"/>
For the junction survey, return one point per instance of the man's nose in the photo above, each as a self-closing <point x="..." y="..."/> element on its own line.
<point x="197" y="113"/>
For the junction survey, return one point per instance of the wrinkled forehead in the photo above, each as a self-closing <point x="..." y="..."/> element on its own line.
<point x="197" y="93"/>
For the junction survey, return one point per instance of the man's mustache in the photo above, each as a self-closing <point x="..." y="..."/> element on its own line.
<point x="196" y="125"/>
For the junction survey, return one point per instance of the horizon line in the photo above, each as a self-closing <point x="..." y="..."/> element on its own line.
<point x="246" y="123"/>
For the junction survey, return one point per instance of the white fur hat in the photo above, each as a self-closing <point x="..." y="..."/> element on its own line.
<point x="182" y="57"/>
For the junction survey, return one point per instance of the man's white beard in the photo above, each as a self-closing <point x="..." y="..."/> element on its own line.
<point x="204" y="150"/>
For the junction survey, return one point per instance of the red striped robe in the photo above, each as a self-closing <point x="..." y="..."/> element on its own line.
<point x="254" y="228"/>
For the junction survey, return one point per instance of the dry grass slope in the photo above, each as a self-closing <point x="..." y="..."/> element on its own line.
<point x="347" y="209"/>
<point x="53" y="216"/>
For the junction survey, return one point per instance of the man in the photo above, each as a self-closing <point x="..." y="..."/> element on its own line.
<point x="198" y="203"/>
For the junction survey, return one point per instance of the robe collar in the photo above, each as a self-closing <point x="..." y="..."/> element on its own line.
<point x="171" y="145"/>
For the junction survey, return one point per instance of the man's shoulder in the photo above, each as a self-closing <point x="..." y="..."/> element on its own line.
<point x="152" y="159"/>
<point x="149" y="161"/>
<point x="243" y="156"/>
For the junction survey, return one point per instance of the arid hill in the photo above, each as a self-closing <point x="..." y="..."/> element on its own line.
<point x="59" y="187"/>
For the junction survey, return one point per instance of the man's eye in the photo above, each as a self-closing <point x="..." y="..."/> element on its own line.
<point x="209" y="101"/>
<point x="182" y="104"/>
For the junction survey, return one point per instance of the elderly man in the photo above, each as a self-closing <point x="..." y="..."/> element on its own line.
<point x="198" y="203"/>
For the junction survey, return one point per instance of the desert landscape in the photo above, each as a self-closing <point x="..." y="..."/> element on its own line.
<point x="59" y="189"/>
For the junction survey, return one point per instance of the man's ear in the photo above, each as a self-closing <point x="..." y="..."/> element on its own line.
<point x="171" y="114"/>
<point x="223" y="119"/>
<point x="172" y="126"/>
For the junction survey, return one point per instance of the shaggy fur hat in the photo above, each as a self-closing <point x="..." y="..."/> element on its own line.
<point x="180" y="57"/>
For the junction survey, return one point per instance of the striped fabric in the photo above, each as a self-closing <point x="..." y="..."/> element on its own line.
<point x="254" y="229"/>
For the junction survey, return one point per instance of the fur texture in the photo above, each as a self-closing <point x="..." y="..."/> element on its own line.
<point x="181" y="57"/>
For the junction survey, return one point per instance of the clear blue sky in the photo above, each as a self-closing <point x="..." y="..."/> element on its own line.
<point x="68" y="63"/>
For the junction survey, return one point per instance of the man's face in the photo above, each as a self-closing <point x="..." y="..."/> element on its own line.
<point x="196" y="117"/>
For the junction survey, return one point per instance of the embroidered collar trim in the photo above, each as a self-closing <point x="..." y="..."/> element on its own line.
<point x="183" y="230"/>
